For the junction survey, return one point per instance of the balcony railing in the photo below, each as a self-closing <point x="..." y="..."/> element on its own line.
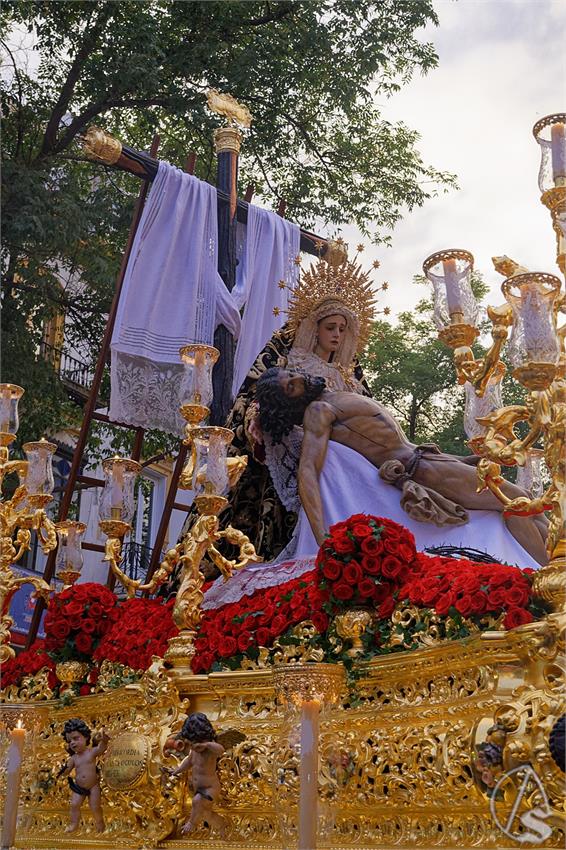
<point x="71" y="371"/>
<point x="136" y="559"/>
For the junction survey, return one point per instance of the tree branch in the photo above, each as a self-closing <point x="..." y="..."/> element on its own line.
<point x="19" y="122"/>
<point x="90" y="38"/>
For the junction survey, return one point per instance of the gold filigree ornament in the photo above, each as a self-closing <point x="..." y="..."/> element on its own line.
<point x="350" y="626"/>
<point x="70" y="672"/>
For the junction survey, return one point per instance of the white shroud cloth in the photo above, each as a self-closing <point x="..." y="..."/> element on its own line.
<point x="349" y="484"/>
<point x="271" y="245"/>
<point x="172" y="295"/>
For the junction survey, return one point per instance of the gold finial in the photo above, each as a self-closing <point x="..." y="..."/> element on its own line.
<point x="507" y="267"/>
<point x="236" y="113"/>
<point x="100" y="145"/>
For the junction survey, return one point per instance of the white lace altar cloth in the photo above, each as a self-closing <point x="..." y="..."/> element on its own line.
<point x="172" y="295"/>
<point x="349" y="484"/>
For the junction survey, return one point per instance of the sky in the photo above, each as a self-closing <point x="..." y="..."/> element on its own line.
<point x="502" y="66"/>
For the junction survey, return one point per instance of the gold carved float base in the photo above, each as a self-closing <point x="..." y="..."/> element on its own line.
<point x="400" y="752"/>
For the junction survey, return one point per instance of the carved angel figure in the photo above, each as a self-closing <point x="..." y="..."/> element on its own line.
<point x="204" y="749"/>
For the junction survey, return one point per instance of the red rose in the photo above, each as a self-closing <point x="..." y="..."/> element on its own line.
<point x="464" y="605"/>
<point x="343" y="544"/>
<point x="268" y="614"/>
<point x="430" y="595"/>
<point x="371" y="564"/>
<point x="61" y="629"/>
<point x="244" y="641"/>
<point x="352" y="573"/>
<point x="496" y="598"/>
<point x="52" y="680"/>
<point x="517" y="617"/>
<point x="262" y="636"/>
<point x="479" y="602"/>
<point x="331" y="569"/>
<point x="372" y="546"/>
<point x="366" y="588"/>
<point x="83" y="642"/>
<point x="406" y="552"/>
<point x="73" y="608"/>
<point x="319" y="621"/>
<point x="343" y="591"/>
<point x="516" y="597"/>
<point x="390" y="566"/>
<point x="227" y="647"/>
<point x="93" y="676"/>
<point x="386" y="608"/>
<point x="301" y="613"/>
<point x="279" y="624"/>
<point x="444" y="603"/>
<point x="88" y="626"/>
<point x="84" y="690"/>
<point x="361" y="530"/>
<point x="95" y="610"/>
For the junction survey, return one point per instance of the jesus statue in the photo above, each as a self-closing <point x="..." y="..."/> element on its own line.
<point x="437" y="484"/>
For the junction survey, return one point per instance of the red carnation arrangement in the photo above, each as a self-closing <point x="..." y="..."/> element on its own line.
<point x="141" y="630"/>
<point x="77" y="619"/>
<point x="363" y="561"/>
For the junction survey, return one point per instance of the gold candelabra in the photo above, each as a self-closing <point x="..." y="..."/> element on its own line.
<point x="537" y="352"/>
<point x="24" y="512"/>
<point x="210" y="474"/>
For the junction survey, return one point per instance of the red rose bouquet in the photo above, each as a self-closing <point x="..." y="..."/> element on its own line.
<point x="27" y="663"/>
<point x="237" y="630"/>
<point x="363" y="561"/>
<point x="77" y="619"/>
<point x="472" y="591"/>
<point x="140" y="631"/>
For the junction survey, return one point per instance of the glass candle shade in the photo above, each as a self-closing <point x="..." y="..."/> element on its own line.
<point x="529" y="476"/>
<point x="117" y="499"/>
<point x="39" y="476"/>
<point x="550" y="133"/>
<point x="476" y="407"/>
<point x="69" y="552"/>
<point x="10" y="394"/>
<point x="534" y="340"/>
<point x="210" y="469"/>
<point x="196" y="383"/>
<point x="449" y="272"/>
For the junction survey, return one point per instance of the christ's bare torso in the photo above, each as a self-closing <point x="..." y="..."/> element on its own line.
<point x="366" y="426"/>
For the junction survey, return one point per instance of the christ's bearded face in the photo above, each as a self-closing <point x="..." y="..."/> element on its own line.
<point x="283" y="397"/>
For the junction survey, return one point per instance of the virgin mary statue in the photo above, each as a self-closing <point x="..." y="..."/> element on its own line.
<point x="329" y="320"/>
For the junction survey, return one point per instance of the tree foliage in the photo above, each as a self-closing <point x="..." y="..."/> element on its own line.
<point x="412" y="373"/>
<point x="311" y="73"/>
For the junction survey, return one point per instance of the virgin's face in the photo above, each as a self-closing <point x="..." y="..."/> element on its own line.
<point x="330" y="332"/>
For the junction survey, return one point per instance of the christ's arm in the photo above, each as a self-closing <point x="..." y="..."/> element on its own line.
<point x="317" y="424"/>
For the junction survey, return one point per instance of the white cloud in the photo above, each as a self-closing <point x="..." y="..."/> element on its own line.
<point x="501" y="68"/>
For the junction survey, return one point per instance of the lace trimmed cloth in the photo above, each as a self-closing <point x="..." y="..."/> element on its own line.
<point x="172" y="295"/>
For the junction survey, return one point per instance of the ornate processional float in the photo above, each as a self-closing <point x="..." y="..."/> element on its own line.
<point x="383" y="698"/>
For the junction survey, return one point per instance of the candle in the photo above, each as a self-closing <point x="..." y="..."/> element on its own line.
<point x="558" y="148"/>
<point x="453" y="294"/>
<point x="308" y="775"/>
<point x="13" y="781"/>
<point x="116" y="496"/>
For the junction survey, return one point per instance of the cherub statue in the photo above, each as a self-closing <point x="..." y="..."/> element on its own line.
<point x="83" y="761"/>
<point x="199" y="736"/>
